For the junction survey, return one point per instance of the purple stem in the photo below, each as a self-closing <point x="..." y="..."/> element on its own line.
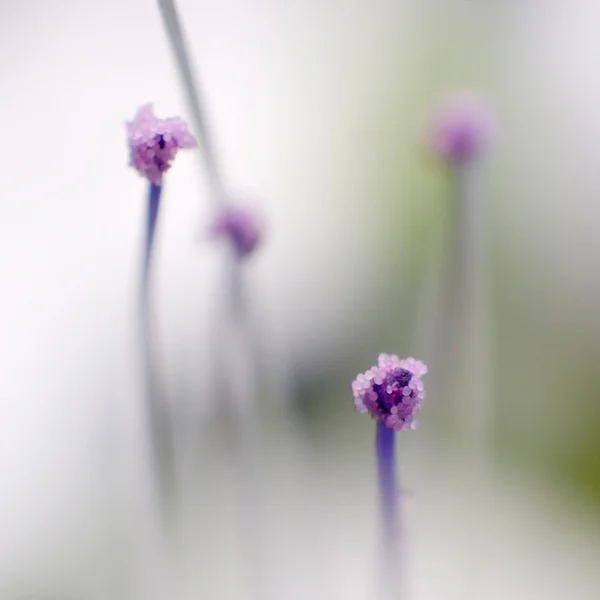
<point x="385" y="443"/>
<point x="158" y="418"/>
<point x="388" y="487"/>
<point x="153" y="206"/>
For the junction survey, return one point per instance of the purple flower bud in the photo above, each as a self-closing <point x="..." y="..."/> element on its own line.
<point x="392" y="391"/>
<point x="242" y="227"/>
<point x="154" y="143"/>
<point x="460" y="130"/>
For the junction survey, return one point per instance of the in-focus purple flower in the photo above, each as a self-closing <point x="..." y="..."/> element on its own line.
<point x="241" y="226"/>
<point x="460" y="130"/>
<point x="392" y="391"/>
<point x="154" y="143"/>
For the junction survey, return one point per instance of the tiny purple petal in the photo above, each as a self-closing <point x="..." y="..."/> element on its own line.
<point x="241" y="226"/>
<point x="392" y="392"/>
<point x="154" y="142"/>
<point x="460" y="130"/>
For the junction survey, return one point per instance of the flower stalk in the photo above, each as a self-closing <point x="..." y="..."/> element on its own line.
<point x="233" y="346"/>
<point x="392" y="393"/>
<point x="459" y="137"/>
<point x="153" y="145"/>
<point x="385" y="443"/>
<point x="159" y="418"/>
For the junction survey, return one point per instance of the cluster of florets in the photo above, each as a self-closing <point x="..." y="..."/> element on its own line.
<point x="241" y="226"/>
<point x="460" y="130"/>
<point x="392" y="391"/>
<point x="154" y="143"/>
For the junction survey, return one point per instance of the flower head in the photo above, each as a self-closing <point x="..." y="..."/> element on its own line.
<point x="459" y="130"/>
<point x="241" y="226"/>
<point x="154" y="143"/>
<point x="392" y="391"/>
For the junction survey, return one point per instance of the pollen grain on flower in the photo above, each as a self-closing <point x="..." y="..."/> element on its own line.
<point x="391" y="391"/>
<point x="154" y="142"/>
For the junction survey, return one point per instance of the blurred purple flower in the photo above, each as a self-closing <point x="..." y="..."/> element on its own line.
<point x="460" y="130"/>
<point x="241" y="225"/>
<point x="392" y="391"/>
<point x="154" y="143"/>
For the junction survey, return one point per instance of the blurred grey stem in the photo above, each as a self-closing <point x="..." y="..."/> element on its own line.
<point x="460" y="349"/>
<point x="194" y="97"/>
<point x="235" y="354"/>
<point x="237" y="384"/>
<point x="479" y="406"/>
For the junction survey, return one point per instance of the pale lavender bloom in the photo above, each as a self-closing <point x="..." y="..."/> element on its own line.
<point x="154" y="143"/>
<point x="392" y="391"/>
<point x="241" y="226"/>
<point x="460" y="130"/>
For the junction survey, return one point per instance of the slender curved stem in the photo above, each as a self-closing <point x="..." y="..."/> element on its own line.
<point x="385" y="444"/>
<point x="157" y="414"/>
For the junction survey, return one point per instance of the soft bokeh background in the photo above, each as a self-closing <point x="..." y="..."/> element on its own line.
<point x="319" y="110"/>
